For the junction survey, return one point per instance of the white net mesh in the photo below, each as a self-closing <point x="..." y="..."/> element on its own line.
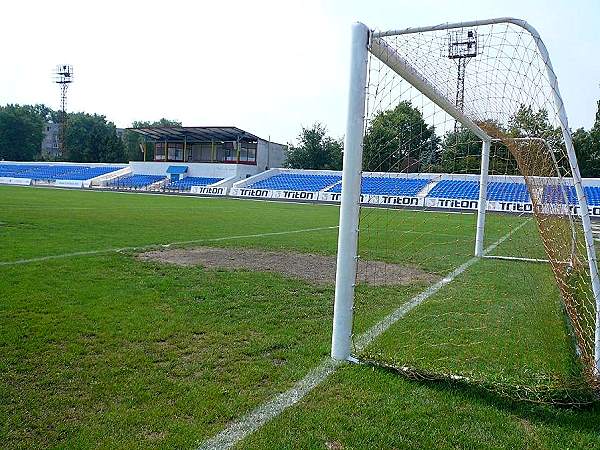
<point x="519" y="326"/>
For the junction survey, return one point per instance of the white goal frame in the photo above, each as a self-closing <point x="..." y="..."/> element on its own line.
<point x="364" y="41"/>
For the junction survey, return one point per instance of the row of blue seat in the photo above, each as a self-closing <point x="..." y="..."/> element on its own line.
<point x="297" y="182"/>
<point x="186" y="183"/>
<point x="87" y="173"/>
<point x="450" y="189"/>
<point x="469" y="190"/>
<point x="53" y="172"/>
<point x="388" y="186"/>
<point x="136" y="181"/>
<point x="513" y="192"/>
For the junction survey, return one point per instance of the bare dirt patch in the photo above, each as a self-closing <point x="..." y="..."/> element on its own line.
<point x="318" y="269"/>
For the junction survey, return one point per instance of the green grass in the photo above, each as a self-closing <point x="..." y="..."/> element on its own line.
<point x="107" y="351"/>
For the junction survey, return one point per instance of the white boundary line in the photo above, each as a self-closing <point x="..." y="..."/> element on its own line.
<point x="251" y="422"/>
<point x="153" y="246"/>
<point x="520" y="258"/>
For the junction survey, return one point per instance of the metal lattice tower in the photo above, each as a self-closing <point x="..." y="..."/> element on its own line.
<point x="63" y="76"/>
<point x="462" y="47"/>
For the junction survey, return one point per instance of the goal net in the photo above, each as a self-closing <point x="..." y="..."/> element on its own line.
<point x="472" y="228"/>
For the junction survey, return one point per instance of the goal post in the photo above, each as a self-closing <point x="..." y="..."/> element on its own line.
<point x="350" y="201"/>
<point x="497" y="104"/>
<point x="483" y="181"/>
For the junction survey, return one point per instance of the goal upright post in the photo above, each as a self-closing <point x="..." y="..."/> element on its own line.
<point x="481" y="207"/>
<point x="350" y="199"/>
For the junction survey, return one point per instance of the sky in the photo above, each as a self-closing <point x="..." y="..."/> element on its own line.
<point x="269" y="67"/>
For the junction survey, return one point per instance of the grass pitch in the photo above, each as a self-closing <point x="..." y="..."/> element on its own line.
<point x="104" y="350"/>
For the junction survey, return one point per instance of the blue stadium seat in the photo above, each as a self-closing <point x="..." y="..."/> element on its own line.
<point x="186" y="183"/>
<point x="297" y="182"/>
<point x="14" y="170"/>
<point x="507" y="192"/>
<point x="467" y="190"/>
<point x="388" y="186"/>
<point x="86" y="173"/>
<point x="592" y="194"/>
<point x="49" y="172"/>
<point x="135" y="181"/>
<point x="554" y="194"/>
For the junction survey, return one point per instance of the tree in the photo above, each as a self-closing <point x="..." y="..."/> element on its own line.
<point x="315" y="150"/>
<point x="21" y="133"/>
<point x="133" y="139"/>
<point x="46" y="113"/>
<point x="90" y="138"/>
<point x="461" y="152"/>
<point x="587" y="148"/>
<point x="399" y="140"/>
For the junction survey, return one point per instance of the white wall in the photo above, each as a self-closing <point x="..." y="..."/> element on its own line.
<point x="195" y="169"/>
<point x="269" y="155"/>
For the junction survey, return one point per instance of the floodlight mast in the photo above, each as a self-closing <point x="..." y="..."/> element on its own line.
<point x="461" y="48"/>
<point x="63" y="76"/>
<point x="362" y="41"/>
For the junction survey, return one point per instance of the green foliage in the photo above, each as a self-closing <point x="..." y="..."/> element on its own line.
<point x="399" y="140"/>
<point x="90" y="138"/>
<point x="157" y="123"/>
<point x="134" y="140"/>
<point x="315" y="150"/>
<point x="527" y="122"/>
<point x="46" y="113"/>
<point x="462" y="154"/>
<point x="587" y="148"/>
<point x="21" y="132"/>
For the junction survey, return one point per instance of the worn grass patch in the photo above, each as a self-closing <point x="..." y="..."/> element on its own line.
<point x="317" y="269"/>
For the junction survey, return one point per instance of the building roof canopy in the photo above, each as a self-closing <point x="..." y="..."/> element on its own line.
<point x="195" y="134"/>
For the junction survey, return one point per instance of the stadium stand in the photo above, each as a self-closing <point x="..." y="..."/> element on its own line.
<point x="135" y="181"/>
<point x="13" y="170"/>
<point x="444" y="187"/>
<point x="186" y="183"/>
<point x="592" y="193"/>
<point x="86" y="173"/>
<point x="297" y="182"/>
<point x="45" y="172"/>
<point x="468" y="190"/>
<point x="507" y="192"/>
<point x="556" y="195"/>
<point x="53" y="172"/>
<point x="388" y="186"/>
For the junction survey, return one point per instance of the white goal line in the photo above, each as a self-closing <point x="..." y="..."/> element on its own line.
<point x="520" y="258"/>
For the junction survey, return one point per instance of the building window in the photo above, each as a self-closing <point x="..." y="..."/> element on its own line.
<point x="175" y="152"/>
<point x="159" y="152"/>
